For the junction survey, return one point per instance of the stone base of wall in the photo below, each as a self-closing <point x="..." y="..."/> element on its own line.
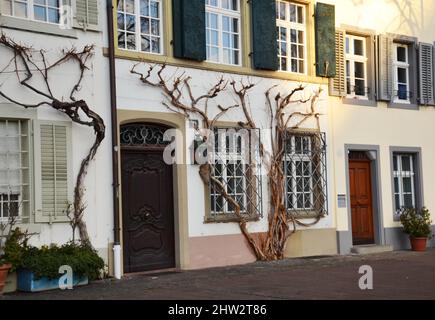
<point x="312" y="242"/>
<point x="400" y="240"/>
<point x="227" y="250"/>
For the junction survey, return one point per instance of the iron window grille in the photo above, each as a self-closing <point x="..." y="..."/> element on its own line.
<point x="236" y="164"/>
<point x="305" y="174"/>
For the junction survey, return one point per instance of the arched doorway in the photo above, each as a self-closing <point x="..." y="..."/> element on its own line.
<point x="147" y="199"/>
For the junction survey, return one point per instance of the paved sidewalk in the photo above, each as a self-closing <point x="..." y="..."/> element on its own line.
<point x="397" y="275"/>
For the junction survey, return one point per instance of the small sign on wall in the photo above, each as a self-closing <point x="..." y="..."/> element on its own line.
<point x="341" y="200"/>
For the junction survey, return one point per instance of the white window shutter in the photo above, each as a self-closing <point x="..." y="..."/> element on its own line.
<point x="426" y="74"/>
<point x="86" y="14"/>
<point x="53" y="171"/>
<point x="337" y="85"/>
<point x="385" y="68"/>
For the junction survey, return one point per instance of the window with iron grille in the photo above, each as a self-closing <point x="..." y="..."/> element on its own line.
<point x="404" y="181"/>
<point x="14" y="169"/>
<point x="305" y="174"/>
<point x="236" y="165"/>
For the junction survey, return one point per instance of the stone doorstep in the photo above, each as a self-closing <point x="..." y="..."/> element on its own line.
<point x="371" y="249"/>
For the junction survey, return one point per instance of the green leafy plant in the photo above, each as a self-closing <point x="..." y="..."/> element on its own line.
<point x="45" y="261"/>
<point x="15" y="246"/>
<point x="416" y="223"/>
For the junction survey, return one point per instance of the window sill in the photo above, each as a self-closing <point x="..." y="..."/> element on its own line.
<point x="209" y="66"/>
<point x="360" y="102"/>
<point x="229" y="219"/>
<point x="35" y="26"/>
<point x="304" y="214"/>
<point x="405" y="106"/>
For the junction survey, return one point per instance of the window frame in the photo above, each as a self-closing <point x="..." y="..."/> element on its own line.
<point x="353" y="58"/>
<point x="416" y="153"/>
<point x="138" y="31"/>
<point x="403" y="65"/>
<point x="316" y="140"/>
<point x="20" y="217"/>
<point x="30" y="12"/>
<point x="232" y="14"/>
<point x="289" y="25"/>
<point x="252" y="183"/>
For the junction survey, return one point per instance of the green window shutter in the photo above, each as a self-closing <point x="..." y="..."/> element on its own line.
<point x="53" y="174"/>
<point x="337" y="85"/>
<point x="264" y="35"/>
<point x="189" y="29"/>
<point x="325" y="40"/>
<point x="426" y="74"/>
<point x="86" y="14"/>
<point x="385" y="68"/>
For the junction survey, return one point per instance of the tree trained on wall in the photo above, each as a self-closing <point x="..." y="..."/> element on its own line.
<point x="180" y="99"/>
<point x="33" y="72"/>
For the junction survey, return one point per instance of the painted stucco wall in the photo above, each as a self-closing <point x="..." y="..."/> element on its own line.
<point x="383" y="126"/>
<point x="95" y="90"/>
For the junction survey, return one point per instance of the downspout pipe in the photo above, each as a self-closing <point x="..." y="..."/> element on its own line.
<point x="114" y="127"/>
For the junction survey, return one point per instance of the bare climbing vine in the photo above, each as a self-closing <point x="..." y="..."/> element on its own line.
<point x="28" y="63"/>
<point x="180" y="99"/>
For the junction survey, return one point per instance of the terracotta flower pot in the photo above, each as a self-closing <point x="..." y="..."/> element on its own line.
<point x="418" y="244"/>
<point x="4" y="270"/>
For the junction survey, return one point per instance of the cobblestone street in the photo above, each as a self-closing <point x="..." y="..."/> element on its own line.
<point x="397" y="275"/>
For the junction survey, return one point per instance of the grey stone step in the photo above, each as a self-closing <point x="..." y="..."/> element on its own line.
<point x="370" y="249"/>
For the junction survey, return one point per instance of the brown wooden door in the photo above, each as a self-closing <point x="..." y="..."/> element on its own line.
<point x="147" y="211"/>
<point x="361" y="202"/>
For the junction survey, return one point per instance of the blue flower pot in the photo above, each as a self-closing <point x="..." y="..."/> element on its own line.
<point x="27" y="282"/>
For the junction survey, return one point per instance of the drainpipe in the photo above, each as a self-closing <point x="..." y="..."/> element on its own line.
<point x="114" y="127"/>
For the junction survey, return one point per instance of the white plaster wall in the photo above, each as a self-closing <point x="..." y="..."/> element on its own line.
<point x="133" y="95"/>
<point x="95" y="90"/>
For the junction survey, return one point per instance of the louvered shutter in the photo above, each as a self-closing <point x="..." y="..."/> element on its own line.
<point x="264" y="35"/>
<point x="53" y="173"/>
<point x="86" y="14"/>
<point x="426" y="67"/>
<point x="189" y="29"/>
<point x="325" y="40"/>
<point x="385" y="68"/>
<point x="337" y="85"/>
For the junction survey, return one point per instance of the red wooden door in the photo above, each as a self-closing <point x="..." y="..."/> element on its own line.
<point x="361" y="202"/>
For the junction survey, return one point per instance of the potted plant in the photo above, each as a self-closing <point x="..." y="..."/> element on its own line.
<point x="38" y="268"/>
<point x="417" y="224"/>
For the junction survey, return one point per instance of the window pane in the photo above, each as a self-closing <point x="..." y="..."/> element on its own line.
<point x="282" y="11"/>
<point x="407" y="185"/>
<point x="213" y="20"/>
<point x="155" y="45"/>
<point x="41" y="2"/>
<point x="401" y="54"/>
<point x="406" y="163"/>
<point x="403" y="92"/>
<point x="395" y="162"/>
<point x="155" y="27"/>
<point x="300" y="37"/>
<point x="293" y="35"/>
<point x="144" y="7"/>
<point x="121" y="40"/>
<point x="292" y="13"/>
<point x="360" y="88"/>
<point x="396" y="185"/>
<point x="225" y="23"/>
<point x="129" y="6"/>
<point x="397" y="201"/>
<point x="131" y="22"/>
<point x="408" y="201"/>
<point x="53" y="3"/>
<point x="347" y="45"/>
<point x="120" y="5"/>
<point x="131" y="41"/>
<point x="300" y="14"/>
<point x="358" y="46"/>
<point x="121" y="22"/>
<point x="53" y="15"/>
<point x="235" y="25"/>
<point x="20" y="10"/>
<point x="39" y="13"/>
<point x="359" y="70"/>
<point x="6" y="7"/>
<point x="154" y="9"/>
<point x="145" y="25"/>
<point x="401" y="75"/>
